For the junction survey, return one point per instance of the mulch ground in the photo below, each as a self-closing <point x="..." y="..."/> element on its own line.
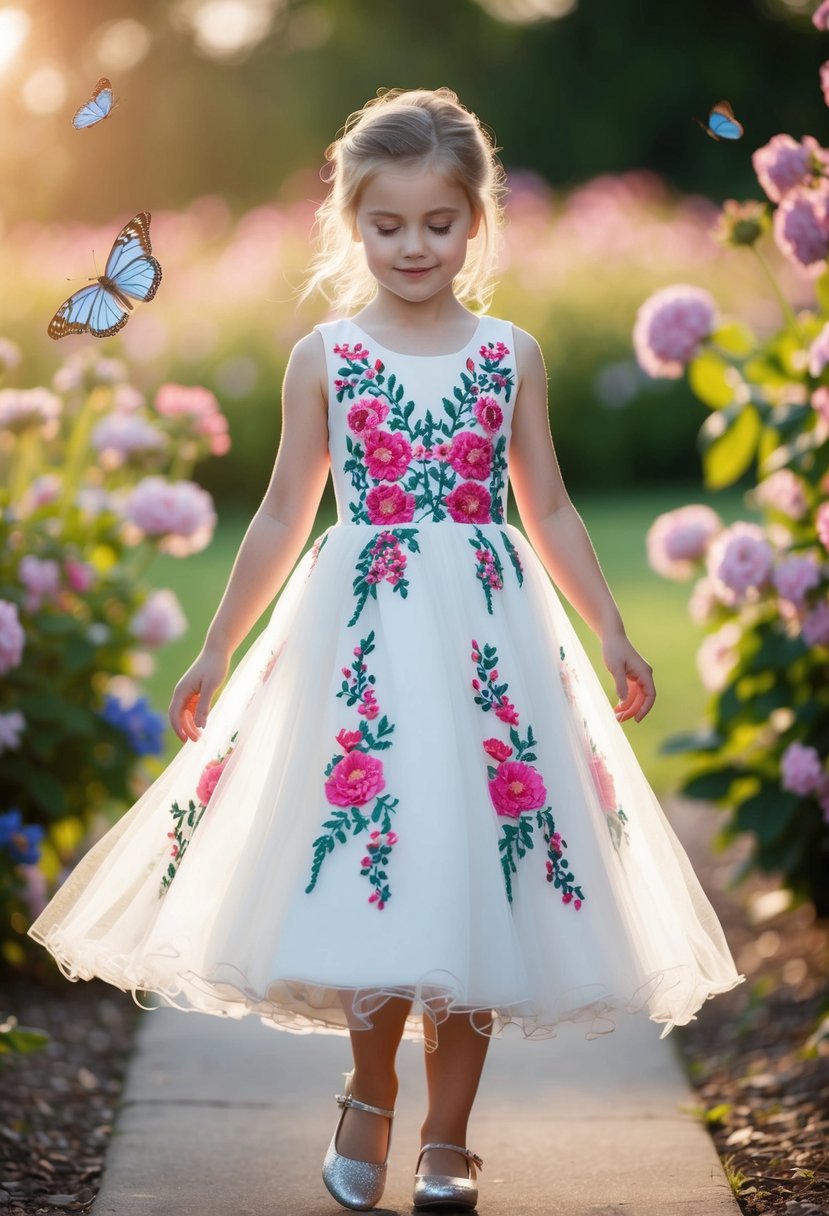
<point x="744" y="1055"/>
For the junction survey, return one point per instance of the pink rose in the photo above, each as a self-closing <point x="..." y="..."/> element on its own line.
<point x="498" y="750"/>
<point x="670" y="328"/>
<point x="366" y="414"/>
<point x="390" y="505"/>
<point x="801" y="771"/>
<point x="79" y="575"/>
<point x="741" y="557"/>
<point x="387" y="455"/>
<point x="210" y="778"/>
<point x="604" y="782"/>
<point x="471" y="455"/>
<point x="355" y="780"/>
<point x="783" y="491"/>
<point x="469" y="503"/>
<point x="516" y="787"/>
<point x="677" y="540"/>
<point x="489" y="413"/>
<point x="348" y="739"/>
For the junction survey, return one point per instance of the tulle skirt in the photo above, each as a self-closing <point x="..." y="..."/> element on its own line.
<point x="412" y="785"/>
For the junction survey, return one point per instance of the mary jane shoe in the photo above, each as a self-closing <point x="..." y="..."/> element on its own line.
<point x="438" y="1191"/>
<point x="355" y="1184"/>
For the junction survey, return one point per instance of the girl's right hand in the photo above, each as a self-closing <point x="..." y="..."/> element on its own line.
<point x="192" y="695"/>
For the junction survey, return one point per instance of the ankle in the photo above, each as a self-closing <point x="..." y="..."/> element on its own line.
<point x="377" y="1089"/>
<point x="436" y="1133"/>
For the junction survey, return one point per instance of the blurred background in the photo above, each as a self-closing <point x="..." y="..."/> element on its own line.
<point x="225" y="109"/>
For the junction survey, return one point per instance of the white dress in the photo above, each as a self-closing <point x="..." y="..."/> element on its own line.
<point x="413" y="784"/>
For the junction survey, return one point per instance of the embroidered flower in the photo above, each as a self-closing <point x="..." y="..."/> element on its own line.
<point x="390" y="505"/>
<point x="355" y="780"/>
<point x="353" y="354"/>
<point x="494" y="352"/>
<point x="469" y="503"/>
<point x="210" y="779"/>
<point x="366" y="414"/>
<point x="498" y="750"/>
<point x="516" y="787"/>
<point x="489" y="413"/>
<point x="604" y="782"/>
<point x="471" y="455"/>
<point x="387" y="455"/>
<point x="348" y="739"/>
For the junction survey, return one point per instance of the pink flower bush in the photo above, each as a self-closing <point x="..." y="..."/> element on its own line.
<point x="12" y="726"/>
<point x="119" y="436"/>
<point x="820" y="403"/>
<point x="199" y="404"/>
<point x="741" y="558"/>
<point x="387" y="455"/>
<point x="355" y="780"/>
<point x="801" y="229"/>
<point x="366" y="414"/>
<point x="12" y="637"/>
<point x="677" y="540"/>
<point x="516" y="787"/>
<point x="159" y="620"/>
<point x="9" y="354"/>
<point x="179" y="512"/>
<point x="604" y="783"/>
<point x="489" y="413"/>
<point x="801" y="769"/>
<point x="41" y="578"/>
<point x="783" y="491"/>
<point x="822" y="524"/>
<point x="24" y="408"/>
<point x="783" y="163"/>
<point x="717" y="656"/>
<point x="796" y="575"/>
<point x="210" y="778"/>
<point x="670" y="328"/>
<point x="469" y="503"/>
<point x="498" y="750"/>
<point x="79" y="575"/>
<point x="471" y="455"/>
<point x="390" y="504"/>
<point x="824" y="81"/>
<point x="814" y="625"/>
<point x="706" y="598"/>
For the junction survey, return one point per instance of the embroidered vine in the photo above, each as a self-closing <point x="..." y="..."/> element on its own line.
<point x="383" y="559"/>
<point x="186" y="820"/>
<point x="517" y="788"/>
<point x="355" y="781"/>
<point x="315" y="552"/>
<point x="488" y="569"/>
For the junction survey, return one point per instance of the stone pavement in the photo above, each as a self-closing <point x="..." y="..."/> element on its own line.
<point x="225" y="1118"/>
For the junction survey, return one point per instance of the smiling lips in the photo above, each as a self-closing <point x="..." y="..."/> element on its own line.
<point x="416" y="271"/>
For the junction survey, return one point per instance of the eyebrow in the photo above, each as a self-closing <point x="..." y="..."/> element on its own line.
<point x="434" y="211"/>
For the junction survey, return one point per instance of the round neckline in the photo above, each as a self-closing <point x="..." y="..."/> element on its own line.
<point x="399" y="354"/>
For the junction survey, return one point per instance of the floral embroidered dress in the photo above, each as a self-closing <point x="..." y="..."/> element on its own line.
<point x="413" y="784"/>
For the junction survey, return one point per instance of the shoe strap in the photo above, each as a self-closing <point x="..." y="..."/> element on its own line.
<point x="464" y="1152"/>
<point x="345" y="1100"/>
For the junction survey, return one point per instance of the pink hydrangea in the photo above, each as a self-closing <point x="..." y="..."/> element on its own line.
<point x="471" y="455"/>
<point x="822" y="524"/>
<point x="489" y="413"/>
<point x="355" y="780"/>
<point x="796" y="575"/>
<point x="718" y="655"/>
<point x="670" y="328"/>
<point x="705" y="600"/>
<point x="12" y="637"/>
<point x="604" y="783"/>
<point x="814" y="625"/>
<point x="783" y="163"/>
<point x="783" y="491"/>
<point x="800" y="769"/>
<point x="516" y="787"/>
<point x="801" y="230"/>
<point x="121" y="435"/>
<point x="210" y="779"/>
<point x="389" y="504"/>
<point x="677" y="540"/>
<point x="740" y="557"/>
<point x="177" y="399"/>
<point x="180" y="512"/>
<point x="12" y="726"/>
<point x="469" y="503"/>
<point x="41" y="491"/>
<point x="41" y="578"/>
<point x="79" y="575"/>
<point x="24" y="408"/>
<point x="387" y="455"/>
<point x="498" y="750"/>
<point x="159" y="620"/>
<point x="820" y="17"/>
<point x="366" y="414"/>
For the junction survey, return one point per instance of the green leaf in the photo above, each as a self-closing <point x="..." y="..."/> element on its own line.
<point x="728" y="440"/>
<point x="767" y="813"/>
<point x="714" y="784"/>
<point x="712" y="379"/>
<point x="822" y="291"/>
<point x="47" y="791"/>
<point x="691" y="741"/>
<point x="735" y="338"/>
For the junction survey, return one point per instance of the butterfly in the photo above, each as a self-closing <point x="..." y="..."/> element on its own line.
<point x="100" y="106"/>
<point x="721" y="122"/>
<point x="131" y="271"/>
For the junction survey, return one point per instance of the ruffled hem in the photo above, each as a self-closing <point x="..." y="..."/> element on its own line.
<point x="304" y="1006"/>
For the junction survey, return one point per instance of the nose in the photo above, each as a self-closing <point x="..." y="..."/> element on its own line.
<point x="412" y="246"/>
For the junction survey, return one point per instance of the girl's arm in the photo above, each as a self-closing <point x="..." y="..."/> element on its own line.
<point x="275" y="536"/>
<point x="557" y="533"/>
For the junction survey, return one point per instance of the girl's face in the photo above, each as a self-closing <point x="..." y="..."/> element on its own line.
<point x="414" y="225"/>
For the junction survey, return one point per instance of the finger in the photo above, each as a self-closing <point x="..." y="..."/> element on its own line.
<point x="647" y="705"/>
<point x="187" y="703"/>
<point x="632" y="703"/>
<point x="203" y="708"/>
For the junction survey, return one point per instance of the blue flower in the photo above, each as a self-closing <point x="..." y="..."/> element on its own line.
<point x="144" y="728"/>
<point x="23" y="843"/>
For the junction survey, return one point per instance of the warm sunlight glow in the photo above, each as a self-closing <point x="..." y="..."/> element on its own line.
<point x="14" y="28"/>
<point x="527" y="12"/>
<point x="224" y="28"/>
<point x="121" y="45"/>
<point x="45" y="90"/>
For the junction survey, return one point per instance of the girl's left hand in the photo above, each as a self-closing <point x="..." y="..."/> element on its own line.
<point x="633" y="676"/>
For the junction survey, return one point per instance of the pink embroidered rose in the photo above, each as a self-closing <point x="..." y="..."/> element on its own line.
<point x="516" y="787"/>
<point x="390" y="505"/>
<point x="471" y="455"/>
<point x="670" y="327"/>
<point x="210" y="778"/>
<point x="489" y="413"/>
<point x="677" y="540"/>
<point x="366" y="414"/>
<point x="498" y="750"/>
<point x="604" y="782"/>
<point x="469" y="503"/>
<point x="355" y="780"/>
<point x="506" y="711"/>
<point x="795" y="575"/>
<point x="387" y="455"/>
<point x="348" y="739"/>
<point x="801" y="771"/>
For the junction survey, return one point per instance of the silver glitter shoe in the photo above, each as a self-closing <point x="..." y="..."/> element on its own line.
<point x="442" y="1190"/>
<point x="355" y="1184"/>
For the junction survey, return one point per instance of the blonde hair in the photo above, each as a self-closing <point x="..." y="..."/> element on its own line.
<point x="408" y="126"/>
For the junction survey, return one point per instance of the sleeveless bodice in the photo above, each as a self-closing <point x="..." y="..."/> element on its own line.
<point x="419" y="438"/>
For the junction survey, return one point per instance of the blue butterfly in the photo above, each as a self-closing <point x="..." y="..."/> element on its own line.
<point x="100" y="106"/>
<point x="721" y="123"/>
<point x="131" y="271"/>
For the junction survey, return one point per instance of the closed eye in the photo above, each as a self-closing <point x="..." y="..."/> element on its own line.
<point x="439" y="231"/>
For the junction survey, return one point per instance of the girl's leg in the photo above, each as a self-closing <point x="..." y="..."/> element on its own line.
<point x="363" y="1136"/>
<point x="453" y="1071"/>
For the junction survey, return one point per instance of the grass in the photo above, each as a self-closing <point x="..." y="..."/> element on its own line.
<point x="654" y="611"/>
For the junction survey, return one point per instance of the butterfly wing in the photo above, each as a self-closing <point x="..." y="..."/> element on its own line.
<point x="130" y="267"/>
<point x="722" y="123"/>
<point x="98" y="107"/>
<point x="92" y="310"/>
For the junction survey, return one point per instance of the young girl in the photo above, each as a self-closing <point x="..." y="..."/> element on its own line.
<point x="412" y="811"/>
